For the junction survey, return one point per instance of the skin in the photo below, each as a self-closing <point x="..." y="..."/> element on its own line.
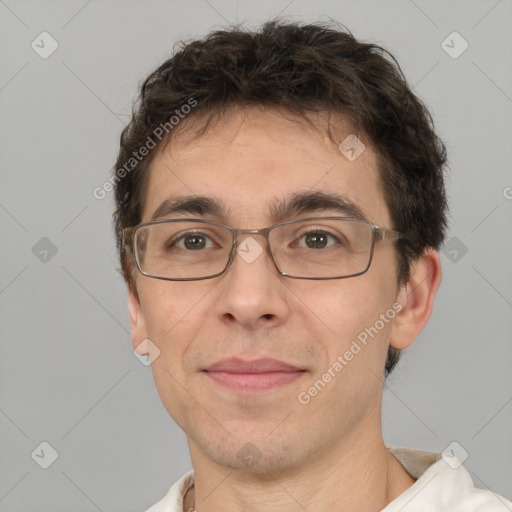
<point x="328" y="454"/>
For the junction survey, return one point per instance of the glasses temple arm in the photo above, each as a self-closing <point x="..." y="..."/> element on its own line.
<point x="126" y="239"/>
<point x="389" y="234"/>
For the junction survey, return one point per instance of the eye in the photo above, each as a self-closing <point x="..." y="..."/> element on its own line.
<point x="317" y="240"/>
<point x="191" y="242"/>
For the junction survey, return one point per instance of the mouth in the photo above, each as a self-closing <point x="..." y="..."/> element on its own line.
<point x="252" y="376"/>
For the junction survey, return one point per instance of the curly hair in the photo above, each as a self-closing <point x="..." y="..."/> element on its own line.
<point x="303" y="69"/>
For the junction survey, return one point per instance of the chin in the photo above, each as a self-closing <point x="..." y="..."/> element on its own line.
<point x="257" y="453"/>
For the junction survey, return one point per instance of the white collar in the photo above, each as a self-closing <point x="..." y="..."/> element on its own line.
<point x="438" y="488"/>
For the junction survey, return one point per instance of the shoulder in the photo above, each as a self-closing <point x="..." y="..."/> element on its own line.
<point x="442" y="485"/>
<point x="173" y="500"/>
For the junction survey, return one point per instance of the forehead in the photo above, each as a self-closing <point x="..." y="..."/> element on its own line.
<point x="251" y="160"/>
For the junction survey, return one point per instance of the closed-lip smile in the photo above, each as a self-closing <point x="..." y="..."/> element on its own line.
<point x="250" y="376"/>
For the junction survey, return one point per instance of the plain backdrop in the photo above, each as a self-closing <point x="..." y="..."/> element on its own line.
<point x="68" y="374"/>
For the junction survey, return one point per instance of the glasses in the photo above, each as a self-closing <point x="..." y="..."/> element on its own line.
<point x="313" y="248"/>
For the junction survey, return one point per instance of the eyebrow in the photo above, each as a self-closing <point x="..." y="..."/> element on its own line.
<point x="194" y="205"/>
<point x="299" y="203"/>
<point x="311" y="202"/>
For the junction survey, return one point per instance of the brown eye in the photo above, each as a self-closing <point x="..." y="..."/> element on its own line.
<point x="316" y="240"/>
<point x="194" y="242"/>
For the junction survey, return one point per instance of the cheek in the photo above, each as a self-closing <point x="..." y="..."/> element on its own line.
<point x="350" y="311"/>
<point x="343" y="304"/>
<point x="172" y="312"/>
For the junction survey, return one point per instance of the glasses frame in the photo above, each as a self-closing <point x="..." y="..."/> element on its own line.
<point x="378" y="233"/>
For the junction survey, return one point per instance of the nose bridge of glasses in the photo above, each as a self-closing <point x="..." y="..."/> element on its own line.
<point x="240" y="238"/>
<point x="238" y="234"/>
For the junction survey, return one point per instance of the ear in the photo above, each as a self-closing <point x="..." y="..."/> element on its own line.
<point x="417" y="299"/>
<point x="137" y="320"/>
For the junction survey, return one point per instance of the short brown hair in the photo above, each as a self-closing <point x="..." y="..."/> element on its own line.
<point x="303" y="69"/>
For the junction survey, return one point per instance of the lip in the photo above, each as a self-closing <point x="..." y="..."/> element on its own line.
<point x="252" y="376"/>
<point x="261" y="365"/>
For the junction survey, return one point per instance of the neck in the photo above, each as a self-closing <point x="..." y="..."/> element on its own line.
<point x="360" y="475"/>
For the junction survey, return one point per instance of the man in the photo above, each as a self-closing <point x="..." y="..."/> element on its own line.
<point x="279" y="207"/>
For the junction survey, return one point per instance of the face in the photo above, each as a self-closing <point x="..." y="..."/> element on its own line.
<point x="250" y="164"/>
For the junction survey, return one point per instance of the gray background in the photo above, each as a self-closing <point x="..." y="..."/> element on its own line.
<point x="68" y="374"/>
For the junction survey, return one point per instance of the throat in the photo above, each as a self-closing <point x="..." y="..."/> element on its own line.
<point x="189" y="499"/>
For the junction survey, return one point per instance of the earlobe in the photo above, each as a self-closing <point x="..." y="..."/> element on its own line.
<point x="417" y="299"/>
<point x="137" y="320"/>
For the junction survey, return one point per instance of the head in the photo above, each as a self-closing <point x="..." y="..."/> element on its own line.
<point x="255" y="122"/>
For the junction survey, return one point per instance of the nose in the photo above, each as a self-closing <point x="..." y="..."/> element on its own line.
<point x="253" y="294"/>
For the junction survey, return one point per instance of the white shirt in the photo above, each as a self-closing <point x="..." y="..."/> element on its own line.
<point x="442" y="485"/>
